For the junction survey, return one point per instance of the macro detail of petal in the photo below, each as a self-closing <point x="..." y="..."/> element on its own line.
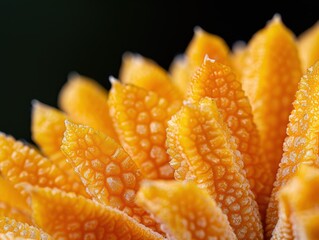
<point x="21" y="230"/>
<point x="301" y="144"/>
<point x="218" y="81"/>
<point x="66" y="216"/>
<point x="85" y="101"/>
<point x="301" y="210"/>
<point x="198" y="138"/>
<point x="187" y="211"/>
<point x="12" y="203"/>
<point x="140" y="118"/>
<point x="202" y="44"/>
<point x="20" y="163"/>
<point x="145" y="73"/>
<point x="308" y="45"/>
<point x="47" y="132"/>
<point x="109" y="174"/>
<point x="270" y="77"/>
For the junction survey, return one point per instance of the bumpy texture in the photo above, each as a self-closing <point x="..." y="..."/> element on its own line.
<point x="140" y="118"/>
<point x="21" y="230"/>
<point x="270" y="76"/>
<point x="109" y="174"/>
<point x="85" y="101"/>
<point x="202" y="44"/>
<point x="198" y="138"/>
<point x="12" y="203"/>
<point x="187" y="211"/>
<point x="219" y="82"/>
<point x="145" y="73"/>
<point x="301" y="144"/>
<point x="298" y="213"/>
<point x="20" y="163"/>
<point x="66" y="216"/>
<point x="47" y="132"/>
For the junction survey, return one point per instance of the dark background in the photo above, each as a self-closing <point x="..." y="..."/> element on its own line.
<point x="42" y="41"/>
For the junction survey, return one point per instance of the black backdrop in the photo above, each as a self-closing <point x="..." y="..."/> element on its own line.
<point x="41" y="41"/>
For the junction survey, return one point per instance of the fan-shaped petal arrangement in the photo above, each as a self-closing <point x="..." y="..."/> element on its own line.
<point x="187" y="153"/>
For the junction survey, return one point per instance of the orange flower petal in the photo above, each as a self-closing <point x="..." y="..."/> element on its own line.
<point x="187" y="211"/>
<point x="20" y="163"/>
<point x="21" y="230"/>
<point x="47" y="132"/>
<point x="12" y="203"/>
<point x="140" y="118"/>
<point x="270" y="78"/>
<point x="198" y="136"/>
<point x="301" y="145"/>
<point x="202" y="44"/>
<point x="218" y="82"/>
<point x="108" y="172"/>
<point x="64" y="215"/>
<point x="85" y="101"/>
<point x="298" y="212"/>
<point x="181" y="73"/>
<point x="145" y="73"/>
<point x="308" y="45"/>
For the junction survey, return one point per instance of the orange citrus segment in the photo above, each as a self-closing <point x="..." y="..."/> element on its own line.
<point x="21" y="230"/>
<point x="110" y="175"/>
<point x="270" y="76"/>
<point x="85" y="101"/>
<point x="218" y="81"/>
<point x="186" y="211"/>
<point x="145" y="73"/>
<point x="12" y="203"/>
<point x="299" y="209"/>
<point x="308" y="44"/>
<point x="20" y="163"/>
<point x="198" y="136"/>
<point x="301" y="144"/>
<point x="66" y="216"/>
<point x="140" y="118"/>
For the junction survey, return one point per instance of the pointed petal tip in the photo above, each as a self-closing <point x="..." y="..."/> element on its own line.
<point x="73" y="75"/>
<point x="208" y="59"/>
<point x="131" y="56"/>
<point x="113" y="81"/>
<point x="198" y="30"/>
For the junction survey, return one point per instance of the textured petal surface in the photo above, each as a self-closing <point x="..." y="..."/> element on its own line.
<point x="23" y="230"/>
<point x="187" y="211"/>
<point x="110" y="175"/>
<point x="12" y="203"/>
<point x="299" y="220"/>
<point x="270" y="78"/>
<point x="197" y="136"/>
<point x="202" y="44"/>
<point x="85" y="101"/>
<point x="47" y="132"/>
<point x="140" y="118"/>
<point x="66" y="216"/>
<point x="145" y="73"/>
<point x="20" y="163"/>
<point x="308" y="44"/>
<point x="218" y="81"/>
<point x="301" y="144"/>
